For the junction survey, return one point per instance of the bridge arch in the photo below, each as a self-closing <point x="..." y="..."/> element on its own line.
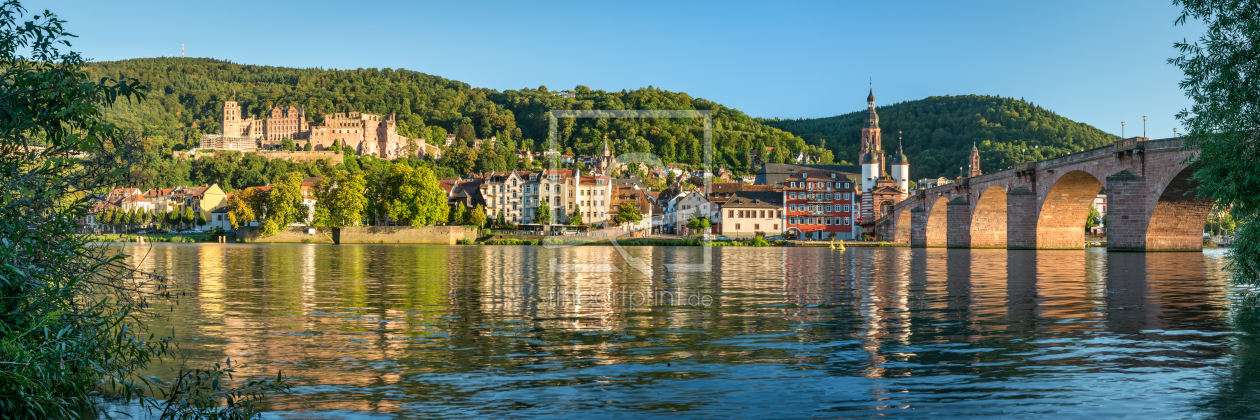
<point x="988" y="220"/>
<point x="1061" y="219"/>
<point x="936" y="230"/>
<point x="1177" y="219"/>
<point x="902" y="225"/>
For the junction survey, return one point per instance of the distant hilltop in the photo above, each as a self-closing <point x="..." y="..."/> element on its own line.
<point x="938" y="133"/>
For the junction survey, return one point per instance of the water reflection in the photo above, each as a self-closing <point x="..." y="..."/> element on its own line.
<point x="438" y="331"/>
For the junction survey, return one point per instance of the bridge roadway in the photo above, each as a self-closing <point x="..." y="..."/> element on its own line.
<point x="1151" y="205"/>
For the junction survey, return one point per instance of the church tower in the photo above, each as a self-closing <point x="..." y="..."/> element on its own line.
<point x="975" y="162"/>
<point x="872" y="154"/>
<point x="901" y="167"/>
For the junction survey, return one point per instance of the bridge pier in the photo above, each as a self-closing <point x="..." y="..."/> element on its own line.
<point x="959" y="213"/>
<point x="918" y="227"/>
<point x="1127" y="213"/>
<point x="1021" y="219"/>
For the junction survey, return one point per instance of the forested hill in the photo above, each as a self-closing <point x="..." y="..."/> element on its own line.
<point x="186" y="96"/>
<point x="938" y="132"/>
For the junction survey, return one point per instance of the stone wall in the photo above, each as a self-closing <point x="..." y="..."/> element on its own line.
<point x="447" y="235"/>
<point x="333" y="157"/>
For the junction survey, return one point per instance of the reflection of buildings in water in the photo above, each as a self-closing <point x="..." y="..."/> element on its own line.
<point x="883" y="302"/>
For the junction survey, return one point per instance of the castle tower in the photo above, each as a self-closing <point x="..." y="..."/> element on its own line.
<point x="901" y="168"/>
<point x="872" y="158"/>
<point x="231" y="120"/>
<point x="975" y="161"/>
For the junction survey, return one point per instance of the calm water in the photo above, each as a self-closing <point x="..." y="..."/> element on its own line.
<point x="477" y="331"/>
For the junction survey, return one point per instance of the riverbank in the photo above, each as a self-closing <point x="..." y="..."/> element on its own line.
<point x="447" y="235"/>
<point x="540" y="240"/>
<point x="135" y="237"/>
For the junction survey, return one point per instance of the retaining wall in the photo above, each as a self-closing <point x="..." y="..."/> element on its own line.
<point x="447" y="235"/>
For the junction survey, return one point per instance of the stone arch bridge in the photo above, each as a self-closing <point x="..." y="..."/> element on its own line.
<point x="1151" y="205"/>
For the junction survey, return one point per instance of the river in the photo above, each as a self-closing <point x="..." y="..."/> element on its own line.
<point x="396" y="331"/>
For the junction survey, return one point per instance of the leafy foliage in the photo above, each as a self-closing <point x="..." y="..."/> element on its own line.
<point x="628" y="213"/>
<point x="939" y="131"/>
<point x="1224" y="123"/>
<point x="71" y="310"/>
<point x="284" y="205"/>
<point x="340" y="200"/>
<point x="542" y="215"/>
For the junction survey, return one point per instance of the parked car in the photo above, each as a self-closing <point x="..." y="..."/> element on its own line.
<point x="195" y="231"/>
<point x="142" y="231"/>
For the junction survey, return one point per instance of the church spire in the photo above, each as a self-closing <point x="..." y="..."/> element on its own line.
<point x="872" y="119"/>
<point x="975" y="161"/>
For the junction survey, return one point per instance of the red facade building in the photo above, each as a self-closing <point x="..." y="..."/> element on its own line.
<point x="819" y="203"/>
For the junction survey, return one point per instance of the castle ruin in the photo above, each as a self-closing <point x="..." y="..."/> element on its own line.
<point x="367" y="134"/>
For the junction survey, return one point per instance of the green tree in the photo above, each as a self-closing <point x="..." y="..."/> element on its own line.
<point x="465" y="135"/>
<point x="1093" y="219"/>
<point x="458" y="215"/>
<point x="308" y="147"/>
<point x="201" y="219"/>
<point x="414" y="196"/>
<point x="244" y="207"/>
<point x="542" y="214"/>
<point x="340" y="200"/>
<point x="575" y="219"/>
<point x="628" y="212"/>
<point x="187" y="217"/>
<point x="477" y="217"/>
<point x="500" y="221"/>
<point x="284" y="205"/>
<point x="1224" y="123"/>
<point x="287" y="144"/>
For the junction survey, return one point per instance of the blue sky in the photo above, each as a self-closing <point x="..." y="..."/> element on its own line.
<point x="1098" y="62"/>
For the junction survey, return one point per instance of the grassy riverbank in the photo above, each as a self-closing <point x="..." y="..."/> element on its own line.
<point x="132" y="237"/>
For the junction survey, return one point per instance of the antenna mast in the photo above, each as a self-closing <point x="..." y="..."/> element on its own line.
<point x="181" y="50"/>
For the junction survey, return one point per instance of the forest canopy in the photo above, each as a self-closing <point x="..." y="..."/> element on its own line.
<point x="186" y="98"/>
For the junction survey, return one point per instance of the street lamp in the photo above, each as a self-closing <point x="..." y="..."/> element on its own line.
<point x="1121" y="129"/>
<point x="1143" y="126"/>
<point x="1174" y="132"/>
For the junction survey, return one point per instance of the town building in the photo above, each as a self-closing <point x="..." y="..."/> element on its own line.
<point x="637" y="197"/>
<point x="819" y="205"/>
<point x="753" y="213"/>
<point x="686" y="206"/>
<point x="517" y="193"/>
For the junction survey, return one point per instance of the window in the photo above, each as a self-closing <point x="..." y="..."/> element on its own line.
<point x="847" y="207"/>
<point x="731" y="213"/>
<point x="827" y="208"/>
<point x="757" y="227"/>
<point x="792" y="195"/>
<point x="776" y="226"/>
<point x="737" y="226"/>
